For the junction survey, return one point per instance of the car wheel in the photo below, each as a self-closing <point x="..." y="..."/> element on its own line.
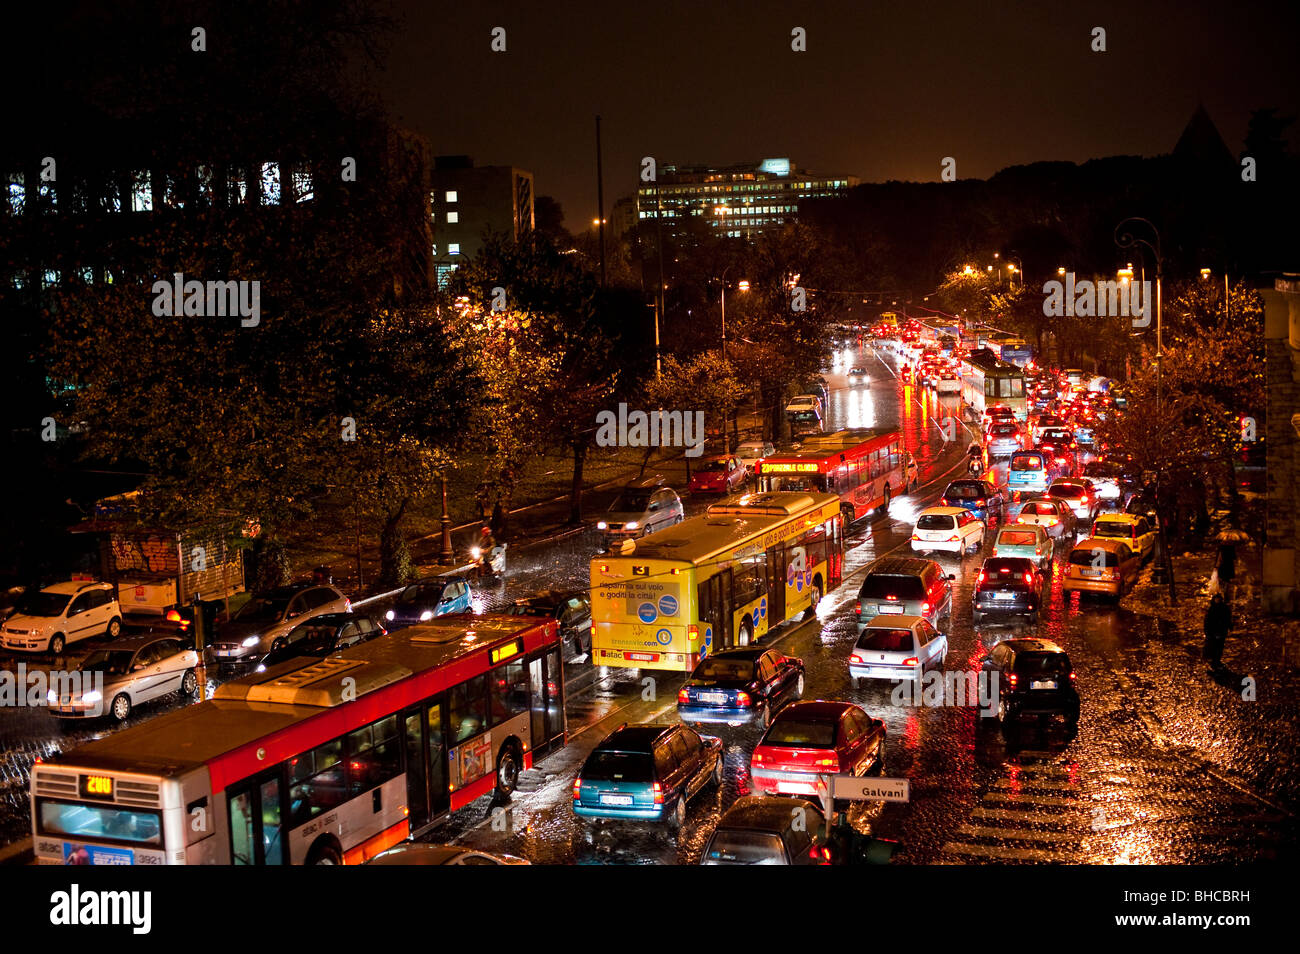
<point x="57" y="643"/>
<point x="1004" y="711"/>
<point x="718" y="768"/>
<point x="677" y="820"/>
<point x="507" y="773"/>
<point x="1033" y="617"/>
<point x="189" y="683"/>
<point x="798" y="686"/>
<point x="114" y="627"/>
<point x="976" y="617"/>
<point x="277" y="645"/>
<point x="121" y="707"/>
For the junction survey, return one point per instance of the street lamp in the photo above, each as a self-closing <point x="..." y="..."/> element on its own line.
<point x="445" y="555"/>
<point x="1124" y="238"/>
<point x="743" y="286"/>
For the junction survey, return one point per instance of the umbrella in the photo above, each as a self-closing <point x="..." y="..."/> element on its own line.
<point x="1232" y="535"/>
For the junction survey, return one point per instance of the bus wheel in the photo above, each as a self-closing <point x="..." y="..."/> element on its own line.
<point x="850" y="513"/>
<point x="746" y="635"/>
<point x="814" y="597"/>
<point x="884" y="508"/>
<point x="324" y="853"/>
<point x="507" y="773"/>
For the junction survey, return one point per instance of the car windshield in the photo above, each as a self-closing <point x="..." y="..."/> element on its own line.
<point x="886" y="640"/>
<point x="935" y="521"/>
<point x="114" y="662"/>
<point x="803" y="733"/>
<point x="421" y="593"/>
<point x="261" y="609"/>
<point x="1033" y="462"/>
<point x="43" y="604"/>
<point x="965" y="488"/>
<point x="613" y="766"/>
<point x="631" y="501"/>
<point x="1095" y="557"/>
<point x="804" y="416"/>
<point x="311" y="632"/>
<point x="1004" y="430"/>
<point x="713" y="467"/>
<point x="1055" y="434"/>
<point x="1065" y="490"/>
<point x="1017" y="538"/>
<point x="1038" y="509"/>
<point x="883" y="586"/>
<point x="741" y="670"/>
<point x="745" y="848"/>
<point x="1111" y="528"/>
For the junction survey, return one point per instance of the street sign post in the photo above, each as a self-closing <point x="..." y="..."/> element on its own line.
<point x="852" y="788"/>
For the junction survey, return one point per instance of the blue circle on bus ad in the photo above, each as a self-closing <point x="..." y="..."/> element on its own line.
<point x="664" y="637"/>
<point x="647" y="613"/>
<point x="668" y="605"/>
<point x="708" y="637"/>
<point x="762" y="606"/>
<point x="798" y="582"/>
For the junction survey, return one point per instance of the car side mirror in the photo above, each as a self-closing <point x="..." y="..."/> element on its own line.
<point x="952" y="576"/>
<point x="137" y="667"/>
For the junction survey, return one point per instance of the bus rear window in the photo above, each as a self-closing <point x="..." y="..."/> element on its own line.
<point x="99" y="822"/>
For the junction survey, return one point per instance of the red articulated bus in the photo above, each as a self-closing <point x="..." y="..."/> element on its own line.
<point x="865" y="468"/>
<point x="315" y="761"/>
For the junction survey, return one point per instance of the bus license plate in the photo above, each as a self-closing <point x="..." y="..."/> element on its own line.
<point x="892" y="609"/>
<point x="1043" y="684"/>
<point x="616" y="799"/>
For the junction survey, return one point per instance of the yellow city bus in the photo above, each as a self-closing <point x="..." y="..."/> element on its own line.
<point x="718" y="580"/>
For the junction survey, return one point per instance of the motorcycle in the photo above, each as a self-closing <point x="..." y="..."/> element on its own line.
<point x="493" y="565"/>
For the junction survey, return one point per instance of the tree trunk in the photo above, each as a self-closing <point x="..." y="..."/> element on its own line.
<point x="395" y="565"/>
<point x="575" y="494"/>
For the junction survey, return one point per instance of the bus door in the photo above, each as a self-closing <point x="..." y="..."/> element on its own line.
<point x="716" y="606"/>
<point x="427" y="793"/>
<point x="546" y="701"/>
<point x="257" y="820"/>
<point x="776" y="559"/>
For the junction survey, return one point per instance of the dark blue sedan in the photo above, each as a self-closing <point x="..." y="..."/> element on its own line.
<point x="978" y="496"/>
<point x="740" y="685"/>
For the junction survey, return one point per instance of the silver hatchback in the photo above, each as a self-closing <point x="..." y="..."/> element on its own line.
<point x="643" y="507"/>
<point x="118" y="678"/>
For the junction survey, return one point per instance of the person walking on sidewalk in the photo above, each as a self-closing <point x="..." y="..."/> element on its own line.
<point x="1218" y="620"/>
<point x="1226" y="567"/>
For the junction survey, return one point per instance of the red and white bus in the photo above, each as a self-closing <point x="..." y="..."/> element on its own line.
<point x="866" y="468"/>
<point x="325" y="761"/>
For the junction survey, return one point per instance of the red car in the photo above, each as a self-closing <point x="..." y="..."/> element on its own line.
<point x="718" y="475"/>
<point x="808" y="739"/>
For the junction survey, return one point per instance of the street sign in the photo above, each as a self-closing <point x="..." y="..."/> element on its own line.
<point x="871" y="789"/>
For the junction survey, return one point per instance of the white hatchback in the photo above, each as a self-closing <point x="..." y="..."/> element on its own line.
<point x="60" y="614"/>
<point x="951" y="529"/>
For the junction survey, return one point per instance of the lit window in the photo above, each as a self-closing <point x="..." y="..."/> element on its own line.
<point x="112" y="197"/>
<point x="451" y="196"/>
<point x="49" y="277"/>
<point x="141" y="192"/>
<point x="17" y="193"/>
<point x="238" y="185"/>
<point x="453" y="218"/>
<point x="203" y="178"/>
<point x="45" y="191"/>
<point x="20" y="279"/>
<point x="433" y="196"/>
<point x="87" y="275"/>
<point x="435" y="249"/>
<point x="271" y="183"/>
<point x="304" y="189"/>
<point x="453" y="248"/>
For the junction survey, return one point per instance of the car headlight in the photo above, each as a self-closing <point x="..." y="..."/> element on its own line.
<point x="475" y="552"/>
<point x="91" y="697"/>
<point x="389" y="615"/>
<point x="251" y="641"/>
<point x="261" y="667"/>
<point x="426" y="615"/>
<point x="602" y="525"/>
<point x="52" y="697"/>
<point x="631" y="525"/>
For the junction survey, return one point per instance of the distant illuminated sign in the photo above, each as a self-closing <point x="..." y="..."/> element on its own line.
<point x="511" y="648"/>
<point x="97" y="786"/>
<point x="790" y="468"/>
<point x="778" y="167"/>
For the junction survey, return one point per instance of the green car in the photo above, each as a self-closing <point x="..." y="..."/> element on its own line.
<point x="1027" y="540"/>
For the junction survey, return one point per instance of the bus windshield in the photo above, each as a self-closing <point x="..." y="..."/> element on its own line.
<point x="99" y="822"/>
<point x="798" y="482"/>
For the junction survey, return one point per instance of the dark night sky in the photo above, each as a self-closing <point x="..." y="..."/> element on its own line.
<point x="884" y="92"/>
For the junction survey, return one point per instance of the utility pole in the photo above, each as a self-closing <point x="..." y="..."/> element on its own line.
<point x="600" y="204"/>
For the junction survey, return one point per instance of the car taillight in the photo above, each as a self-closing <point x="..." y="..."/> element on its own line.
<point x="982" y="576"/>
<point x="910" y="661"/>
<point x="577" y="789"/>
<point x="1038" y="550"/>
<point x="954" y="538"/>
<point x="659" y="794"/>
<point x="857" y="607"/>
<point x="925" y="607"/>
<point x="856" y="658"/>
<point x="348" y="604"/>
<point x="916" y="536"/>
<point x="683" y="697"/>
<point x="742" y="699"/>
<point x="1013" y="679"/>
<point x="1029" y="577"/>
<point x="1073" y="675"/>
<point x="943" y="501"/>
<point x="981" y="502"/>
<point x="1053" y="521"/>
<point x="831" y="761"/>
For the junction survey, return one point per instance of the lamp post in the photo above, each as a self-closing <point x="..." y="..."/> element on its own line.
<point x="1125" y="238"/>
<point x="445" y="555"/>
<point x="743" y="286"/>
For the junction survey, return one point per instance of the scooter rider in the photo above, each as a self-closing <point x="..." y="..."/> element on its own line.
<point x="975" y="455"/>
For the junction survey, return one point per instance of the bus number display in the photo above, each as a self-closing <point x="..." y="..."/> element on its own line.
<point x="792" y="468"/>
<point x="97" y="786"/>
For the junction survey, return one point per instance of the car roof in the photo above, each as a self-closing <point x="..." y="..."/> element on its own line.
<point x="646" y="483"/>
<point x="635" y="738"/>
<point x="901" y="566"/>
<point x="815" y="709"/>
<point x="285" y="592"/>
<point x="1014" y="562"/>
<point x="893" y="622"/>
<point x="942" y="511"/>
<point x="738" y="652"/>
<point x="132" y="643"/>
<point x="333" y="619"/>
<point x="1032" y="644"/>
<point x="73" y="587"/>
<point x="1118" y="518"/>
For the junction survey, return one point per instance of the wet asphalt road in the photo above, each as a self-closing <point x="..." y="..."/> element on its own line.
<point x="1162" y="770"/>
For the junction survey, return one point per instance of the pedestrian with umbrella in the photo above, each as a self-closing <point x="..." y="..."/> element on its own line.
<point x="1218" y="620"/>
<point x="1225" y="568"/>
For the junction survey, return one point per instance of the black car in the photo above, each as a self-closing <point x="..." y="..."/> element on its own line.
<point x="738" y="685"/>
<point x="978" y="496"/>
<point x="1034" y="678"/>
<point x="322" y="635"/>
<point x="773" y="830"/>
<point x="571" y="610"/>
<point x="1008" y="585"/>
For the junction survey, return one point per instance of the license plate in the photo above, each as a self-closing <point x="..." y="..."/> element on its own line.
<point x="1043" y="684"/>
<point x="892" y="609"/>
<point x="1004" y="596"/>
<point x="1093" y="573"/>
<point x="616" y="799"/>
<point x="225" y="652"/>
<point x="717" y="698"/>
